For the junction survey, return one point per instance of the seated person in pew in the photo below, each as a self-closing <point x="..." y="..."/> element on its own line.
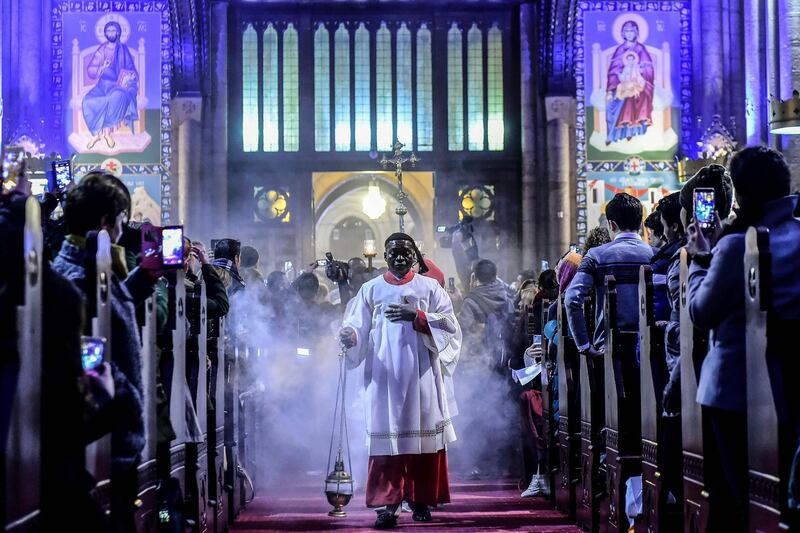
<point x="95" y="204"/>
<point x="621" y="258"/>
<point x="762" y="180"/>
<point x="673" y="238"/>
<point x="711" y="177"/>
<point x="73" y="402"/>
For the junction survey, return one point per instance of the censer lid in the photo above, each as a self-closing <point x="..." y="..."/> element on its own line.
<point x="339" y="474"/>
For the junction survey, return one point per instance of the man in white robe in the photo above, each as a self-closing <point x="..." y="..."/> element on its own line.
<point x="402" y="327"/>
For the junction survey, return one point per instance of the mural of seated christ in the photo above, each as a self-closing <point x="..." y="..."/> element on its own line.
<point x="112" y="101"/>
<point x="629" y="96"/>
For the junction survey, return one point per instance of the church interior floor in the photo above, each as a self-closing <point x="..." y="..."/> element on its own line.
<point x="482" y="505"/>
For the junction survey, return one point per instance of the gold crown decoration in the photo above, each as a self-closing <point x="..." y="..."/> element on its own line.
<point x="784" y="116"/>
<point x="715" y="147"/>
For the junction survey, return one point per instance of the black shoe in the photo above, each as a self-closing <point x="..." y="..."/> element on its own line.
<point x="385" y="520"/>
<point x="421" y="513"/>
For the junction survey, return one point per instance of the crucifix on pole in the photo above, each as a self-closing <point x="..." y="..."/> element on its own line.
<point x="398" y="160"/>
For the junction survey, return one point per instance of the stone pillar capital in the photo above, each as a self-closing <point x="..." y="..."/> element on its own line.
<point x="561" y="108"/>
<point x="187" y="107"/>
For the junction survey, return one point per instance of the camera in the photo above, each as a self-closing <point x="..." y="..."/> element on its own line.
<point x="464" y="226"/>
<point x="336" y="271"/>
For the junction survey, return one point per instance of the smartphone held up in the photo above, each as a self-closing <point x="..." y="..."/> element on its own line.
<point x="704" y="208"/>
<point x="162" y="248"/>
<point x="92" y="352"/>
<point x="13" y="166"/>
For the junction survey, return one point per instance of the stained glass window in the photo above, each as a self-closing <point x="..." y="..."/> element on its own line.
<point x="424" y="90"/>
<point x="322" y="90"/>
<point x="405" y="130"/>
<point x="455" y="89"/>
<point x="383" y="80"/>
<point x="341" y="88"/>
<point x="494" y="73"/>
<point x="270" y="90"/>
<point x="475" y="88"/>
<point x="291" y="91"/>
<point x="362" y="79"/>
<point x="250" y="90"/>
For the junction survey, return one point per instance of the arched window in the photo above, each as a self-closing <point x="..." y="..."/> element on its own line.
<point x="405" y="132"/>
<point x="424" y="90"/>
<point x="496" y="130"/>
<point x="291" y="91"/>
<point x="383" y="89"/>
<point x="455" y="89"/>
<point x="341" y="88"/>
<point x="250" y="90"/>
<point x="475" y="88"/>
<point x="270" y="92"/>
<point x="322" y="90"/>
<point x="362" y="81"/>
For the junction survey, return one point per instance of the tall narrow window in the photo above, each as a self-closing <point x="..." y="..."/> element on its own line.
<point x="322" y="90"/>
<point x="291" y="91"/>
<point x="475" y="88"/>
<point x="424" y="90"/>
<point x="494" y="73"/>
<point x="341" y="88"/>
<point x="383" y="81"/>
<point x="270" y="94"/>
<point x="362" y="79"/>
<point x="405" y="132"/>
<point x="455" y="89"/>
<point x="250" y="90"/>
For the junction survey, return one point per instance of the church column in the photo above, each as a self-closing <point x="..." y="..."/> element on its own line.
<point x="533" y="138"/>
<point x="214" y="204"/>
<point x="561" y="116"/>
<point x="755" y="57"/>
<point x="187" y="115"/>
<point x="789" y="78"/>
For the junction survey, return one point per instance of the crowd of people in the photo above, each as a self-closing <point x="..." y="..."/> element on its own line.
<point x="501" y="369"/>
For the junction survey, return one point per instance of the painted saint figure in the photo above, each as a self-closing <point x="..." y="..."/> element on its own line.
<point x="112" y="101"/>
<point x="402" y="327"/>
<point x="629" y="96"/>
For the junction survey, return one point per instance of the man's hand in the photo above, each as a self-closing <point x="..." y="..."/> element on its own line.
<point x="347" y="336"/>
<point x="534" y="352"/>
<point x="593" y="353"/>
<point x="201" y="254"/>
<point x="700" y="243"/>
<point x="103" y="376"/>
<point x="401" y="312"/>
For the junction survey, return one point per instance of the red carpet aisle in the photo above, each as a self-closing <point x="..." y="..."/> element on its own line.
<point x="476" y="506"/>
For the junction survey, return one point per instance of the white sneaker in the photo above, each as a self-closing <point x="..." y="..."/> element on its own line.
<point x="540" y="486"/>
<point x="405" y="508"/>
<point x="533" y="489"/>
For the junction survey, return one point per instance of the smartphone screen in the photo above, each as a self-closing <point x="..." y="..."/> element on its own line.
<point x="151" y="246"/>
<point x="704" y="207"/>
<point x="172" y="246"/>
<point x="13" y="156"/>
<point x="574" y="249"/>
<point x="537" y="340"/>
<point x="92" y="352"/>
<point x="441" y="229"/>
<point x="287" y="266"/>
<point x="63" y="172"/>
<point x="322" y="262"/>
<point x="451" y="285"/>
<point x="545" y="265"/>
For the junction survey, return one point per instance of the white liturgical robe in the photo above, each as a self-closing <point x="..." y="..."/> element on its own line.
<point x="407" y="410"/>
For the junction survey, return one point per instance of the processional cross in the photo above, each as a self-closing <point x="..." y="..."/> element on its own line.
<point x="398" y="160"/>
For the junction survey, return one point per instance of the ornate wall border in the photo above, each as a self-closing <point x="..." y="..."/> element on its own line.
<point x="584" y="166"/>
<point x="60" y="7"/>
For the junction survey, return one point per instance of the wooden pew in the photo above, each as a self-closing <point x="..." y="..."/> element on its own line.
<point x="657" y="516"/>
<point x="623" y="413"/>
<point x="196" y="452"/>
<point x="98" y="453"/>
<point x="772" y="401"/>
<point x="22" y="452"/>
<point x="177" y="401"/>
<point x="592" y="514"/>
<point x="147" y="502"/>
<point x="694" y="345"/>
<point x="216" y="429"/>
<point x="569" y="417"/>
<point x="233" y="486"/>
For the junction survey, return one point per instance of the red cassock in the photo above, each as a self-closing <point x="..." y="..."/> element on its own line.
<point x="418" y="478"/>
